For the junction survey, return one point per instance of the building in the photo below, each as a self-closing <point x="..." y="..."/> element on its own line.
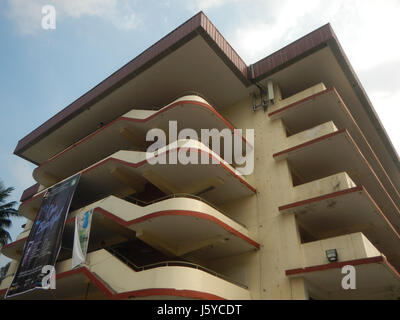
<point x="326" y="178"/>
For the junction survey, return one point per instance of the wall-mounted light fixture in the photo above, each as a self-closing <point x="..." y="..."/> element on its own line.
<point x="332" y="255"/>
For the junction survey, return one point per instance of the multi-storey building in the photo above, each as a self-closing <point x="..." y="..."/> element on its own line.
<point x="325" y="182"/>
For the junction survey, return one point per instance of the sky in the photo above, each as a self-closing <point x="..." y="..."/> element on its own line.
<point x="43" y="71"/>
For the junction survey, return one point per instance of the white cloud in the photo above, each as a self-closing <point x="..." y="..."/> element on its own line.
<point x="386" y="104"/>
<point x="78" y="8"/>
<point x="27" y="13"/>
<point x="275" y="24"/>
<point x="21" y="172"/>
<point x="364" y="27"/>
<point x="367" y="31"/>
<point x="208" y="4"/>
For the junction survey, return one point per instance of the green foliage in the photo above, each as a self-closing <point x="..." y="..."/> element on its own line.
<point x="7" y="211"/>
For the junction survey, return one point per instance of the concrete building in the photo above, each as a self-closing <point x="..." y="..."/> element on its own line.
<point x="326" y="178"/>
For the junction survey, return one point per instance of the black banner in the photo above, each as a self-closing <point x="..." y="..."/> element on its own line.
<point x="44" y="241"/>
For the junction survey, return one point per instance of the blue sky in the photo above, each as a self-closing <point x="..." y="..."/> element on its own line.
<point x="42" y="71"/>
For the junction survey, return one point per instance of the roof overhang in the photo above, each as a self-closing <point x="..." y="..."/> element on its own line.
<point x="199" y="59"/>
<point x="195" y="56"/>
<point x="319" y="57"/>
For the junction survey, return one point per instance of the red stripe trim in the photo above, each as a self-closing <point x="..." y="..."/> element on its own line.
<point x="167" y="292"/>
<point x="211" y="156"/>
<point x="136" y="165"/>
<point x="336" y="265"/>
<point x="327" y="136"/>
<point x="13" y="243"/>
<point x="29" y="192"/>
<point x="348" y="114"/>
<point x="188" y="213"/>
<point x="136" y="293"/>
<point x="320" y="198"/>
<point x="195" y="214"/>
<point x="136" y="120"/>
<point x="341" y="193"/>
<point x="358" y="151"/>
<point x="299" y="102"/>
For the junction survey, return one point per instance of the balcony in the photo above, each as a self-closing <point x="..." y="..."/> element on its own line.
<point x="128" y="132"/>
<point x="318" y="105"/>
<point x="334" y="206"/>
<point x="176" y="226"/>
<point x="107" y="277"/>
<point x="126" y="173"/>
<point x="375" y="277"/>
<point x="311" y="134"/>
<point x="335" y="153"/>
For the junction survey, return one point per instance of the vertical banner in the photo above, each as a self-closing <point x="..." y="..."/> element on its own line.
<point x="44" y="241"/>
<point x="83" y="222"/>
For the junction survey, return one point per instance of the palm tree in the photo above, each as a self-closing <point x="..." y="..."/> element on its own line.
<point x="6" y="212"/>
<point x="3" y="271"/>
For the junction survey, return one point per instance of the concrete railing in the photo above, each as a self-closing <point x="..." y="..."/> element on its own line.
<point x="335" y="183"/>
<point x="118" y="278"/>
<point x="349" y="247"/>
<point x="311" y="134"/>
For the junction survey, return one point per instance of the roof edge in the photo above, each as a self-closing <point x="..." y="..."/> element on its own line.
<point x="197" y="25"/>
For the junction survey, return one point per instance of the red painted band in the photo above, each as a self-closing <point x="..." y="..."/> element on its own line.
<point x="136" y="293"/>
<point x="195" y="214"/>
<point x="312" y="97"/>
<point x="320" y="198"/>
<point x="327" y="136"/>
<point x="335" y="265"/>
<point x="136" y="165"/>
<point x="135" y="120"/>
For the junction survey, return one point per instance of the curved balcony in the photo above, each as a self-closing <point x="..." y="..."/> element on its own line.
<point x="176" y="226"/>
<point x="107" y="277"/>
<point x="128" y="132"/>
<point x="126" y="173"/>
<point x="337" y="152"/>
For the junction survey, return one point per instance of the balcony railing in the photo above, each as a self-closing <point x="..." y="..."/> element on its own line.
<point x="180" y="195"/>
<point x="171" y="263"/>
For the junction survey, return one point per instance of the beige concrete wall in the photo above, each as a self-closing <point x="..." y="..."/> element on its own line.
<point x="297" y="97"/>
<point x="311" y="134"/>
<point x="337" y="182"/>
<point x="277" y="234"/>
<point x="349" y="247"/>
<point x="263" y="271"/>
